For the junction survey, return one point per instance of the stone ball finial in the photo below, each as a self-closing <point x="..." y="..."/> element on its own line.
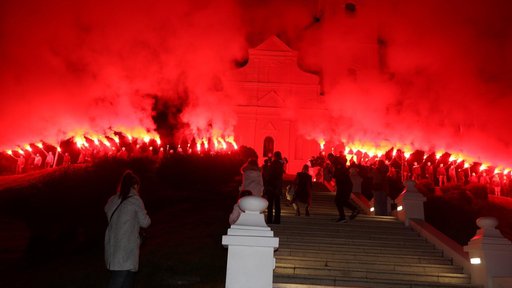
<point x="410" y="186"/>
<point x="488" y="228"/>
<point x="487" y="222"/>
<point x="254" y="204"/>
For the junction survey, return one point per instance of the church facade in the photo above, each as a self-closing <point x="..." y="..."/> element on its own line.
<point x="279" y="104"/>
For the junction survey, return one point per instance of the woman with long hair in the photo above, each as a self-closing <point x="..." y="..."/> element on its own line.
<point x="126" y="215"/>
<point x="252" y="179"/>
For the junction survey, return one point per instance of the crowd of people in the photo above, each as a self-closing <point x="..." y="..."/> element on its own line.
<point x="439" y="173"/>
<point x="34" y="161"/>
<point x="377" y="178"/>
<point x="267" y="181"/>
<point x="30" y="160"/>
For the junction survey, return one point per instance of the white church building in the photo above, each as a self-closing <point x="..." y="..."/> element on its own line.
<point x="276" y="95"/>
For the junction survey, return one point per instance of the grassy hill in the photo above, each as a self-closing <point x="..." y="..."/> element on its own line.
<point x="54" y="223"/>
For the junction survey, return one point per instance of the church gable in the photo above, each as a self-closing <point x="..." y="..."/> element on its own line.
<point x="274" y="62"/>
<point x="272" y="77"/>
<point x="273" y="44"/>
<point x="271" y="99"/>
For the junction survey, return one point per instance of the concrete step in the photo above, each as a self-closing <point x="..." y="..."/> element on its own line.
<point x="373" y="275"/>
<point x="362" y="222"/>
<point x="368" y="256"/>
<point x="346" y="233"/>
<point x="376" y="265"/>
<point x="331" y="244"/>
<point x="322" y="281"/>
<point x="383" y="251"/>
<point x="357" y="255"/>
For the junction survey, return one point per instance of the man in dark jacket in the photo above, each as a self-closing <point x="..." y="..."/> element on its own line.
<point x="275" y="186"/>
<point x="343" y="190"/>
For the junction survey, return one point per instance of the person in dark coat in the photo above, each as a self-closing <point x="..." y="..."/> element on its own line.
<point x="274" y="188"/>
<point x="380" y="188"/>
<point x="303" y="187"/>
<point x="265" y="172"/>
<point x="343" y="191"/>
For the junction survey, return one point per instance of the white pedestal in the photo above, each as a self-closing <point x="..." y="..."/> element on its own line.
<point x="492" y="251"/>
<point x="251" y="247"/>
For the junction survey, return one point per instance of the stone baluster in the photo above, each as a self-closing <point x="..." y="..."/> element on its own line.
<point x="410" y="203"/>
<point x="490" y="255"/>
<point x="251" y="247"/>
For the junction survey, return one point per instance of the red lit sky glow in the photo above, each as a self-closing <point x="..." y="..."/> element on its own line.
<point x="443" y="80"/>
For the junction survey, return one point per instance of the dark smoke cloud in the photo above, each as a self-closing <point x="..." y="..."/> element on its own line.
<point x="431" y="74"/>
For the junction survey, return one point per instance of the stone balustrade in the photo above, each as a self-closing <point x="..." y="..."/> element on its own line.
<point x="490" y="254"/>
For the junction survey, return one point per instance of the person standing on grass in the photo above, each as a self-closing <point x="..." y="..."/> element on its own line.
<point x="126" y="215"/>
<point x="20" y="164"/>
<point x="496" y="184"/>
<point x="49" y="160"/>
<point x="38" y="161"/>
<point x="441" y="175"/>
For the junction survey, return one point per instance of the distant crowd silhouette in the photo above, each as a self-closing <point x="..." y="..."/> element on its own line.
<point x="380" y="176"/>
<point x="44" y="157"/>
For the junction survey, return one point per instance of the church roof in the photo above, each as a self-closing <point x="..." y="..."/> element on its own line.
<point x="273" y="44"/>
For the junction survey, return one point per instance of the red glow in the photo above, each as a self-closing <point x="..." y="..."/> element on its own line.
<point x="399" y="82"/>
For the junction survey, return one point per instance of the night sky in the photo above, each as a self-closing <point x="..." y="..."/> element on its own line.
<point x="431" y="74"/>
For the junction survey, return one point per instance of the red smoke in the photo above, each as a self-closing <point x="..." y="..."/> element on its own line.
<point x="430" y="74"/>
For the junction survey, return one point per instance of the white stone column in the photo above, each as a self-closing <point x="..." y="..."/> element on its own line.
<point x="490" y="255"/>
<point x="251" y="247"/>
<point x="410" y="203"/>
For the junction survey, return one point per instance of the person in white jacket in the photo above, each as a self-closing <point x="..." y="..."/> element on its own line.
<point x="251" y="178"/>
<point x="126" y="215"/>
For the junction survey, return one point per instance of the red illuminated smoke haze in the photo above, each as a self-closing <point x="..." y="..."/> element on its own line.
<point x="431" y="74"/>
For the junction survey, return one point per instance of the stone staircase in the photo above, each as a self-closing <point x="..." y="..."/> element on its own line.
<point x="368" y="251"/>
